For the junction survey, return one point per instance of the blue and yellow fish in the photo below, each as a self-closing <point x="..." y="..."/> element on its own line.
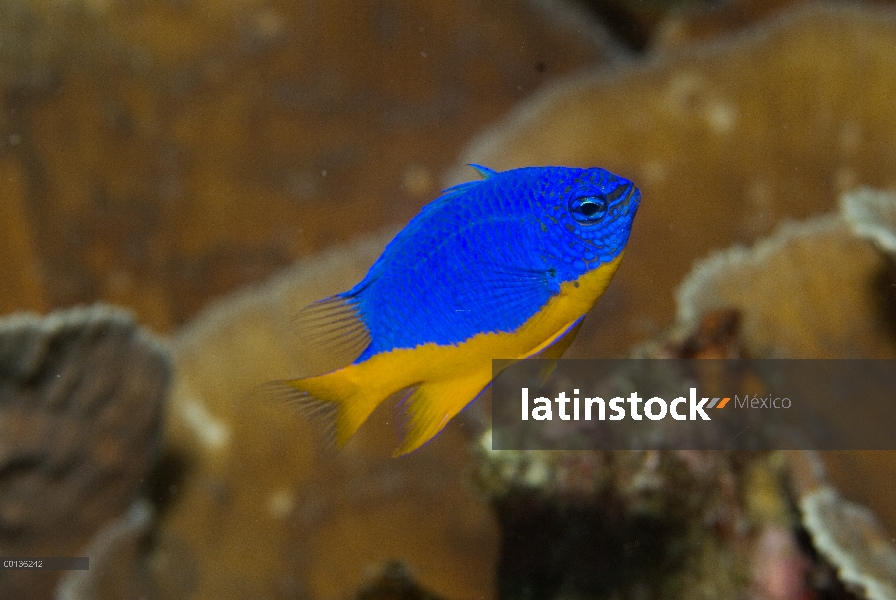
<point x="504" y="267"/>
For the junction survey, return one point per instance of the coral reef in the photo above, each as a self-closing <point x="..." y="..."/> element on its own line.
<point x="872" y="215"/>
<point x="628" y="524"/>
<point x="851" y="538"/>
<point x="811" y="289"/>
<point x="825" y="288"/>
<point x="160" y="155"/>
<point x="117" y="566"/>
<point x="81" y="397"/>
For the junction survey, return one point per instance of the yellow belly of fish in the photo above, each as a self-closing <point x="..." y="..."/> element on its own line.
<point x="449" y="377"/>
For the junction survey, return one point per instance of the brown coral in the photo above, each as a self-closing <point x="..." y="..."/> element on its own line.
<point x="81" y="397"/>
<point x="158" y="155"/>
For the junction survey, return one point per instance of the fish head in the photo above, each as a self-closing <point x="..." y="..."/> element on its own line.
<point x="588" y="214"/>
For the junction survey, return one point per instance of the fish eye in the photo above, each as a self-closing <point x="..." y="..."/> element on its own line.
<point x="588" y="209"/>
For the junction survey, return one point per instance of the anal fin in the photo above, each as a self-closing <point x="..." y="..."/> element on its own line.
<point x="555" y="351"/>
<point x="432" y="405"/>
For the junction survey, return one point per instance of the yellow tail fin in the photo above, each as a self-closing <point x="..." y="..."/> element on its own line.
<point x="335" y="397"/>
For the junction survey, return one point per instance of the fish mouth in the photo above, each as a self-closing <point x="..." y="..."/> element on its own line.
<point x="631" y="199"/>
<point x="625" y="200"/>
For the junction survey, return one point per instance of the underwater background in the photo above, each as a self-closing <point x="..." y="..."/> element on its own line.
<point x="178" y="178"/>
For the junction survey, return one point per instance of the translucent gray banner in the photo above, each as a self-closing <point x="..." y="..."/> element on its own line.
<point x="629" y="404"/>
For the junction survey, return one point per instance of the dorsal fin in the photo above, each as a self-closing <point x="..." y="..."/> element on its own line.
<point x="484" y="171"/>
<point x="332" y="326"/>
<point x="462" y="187"/>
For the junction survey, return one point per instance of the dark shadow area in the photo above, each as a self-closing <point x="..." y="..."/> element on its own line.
<point x="884" y="289"/>
<point x="165" y="479"/>
<point x="592" y="550"/>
